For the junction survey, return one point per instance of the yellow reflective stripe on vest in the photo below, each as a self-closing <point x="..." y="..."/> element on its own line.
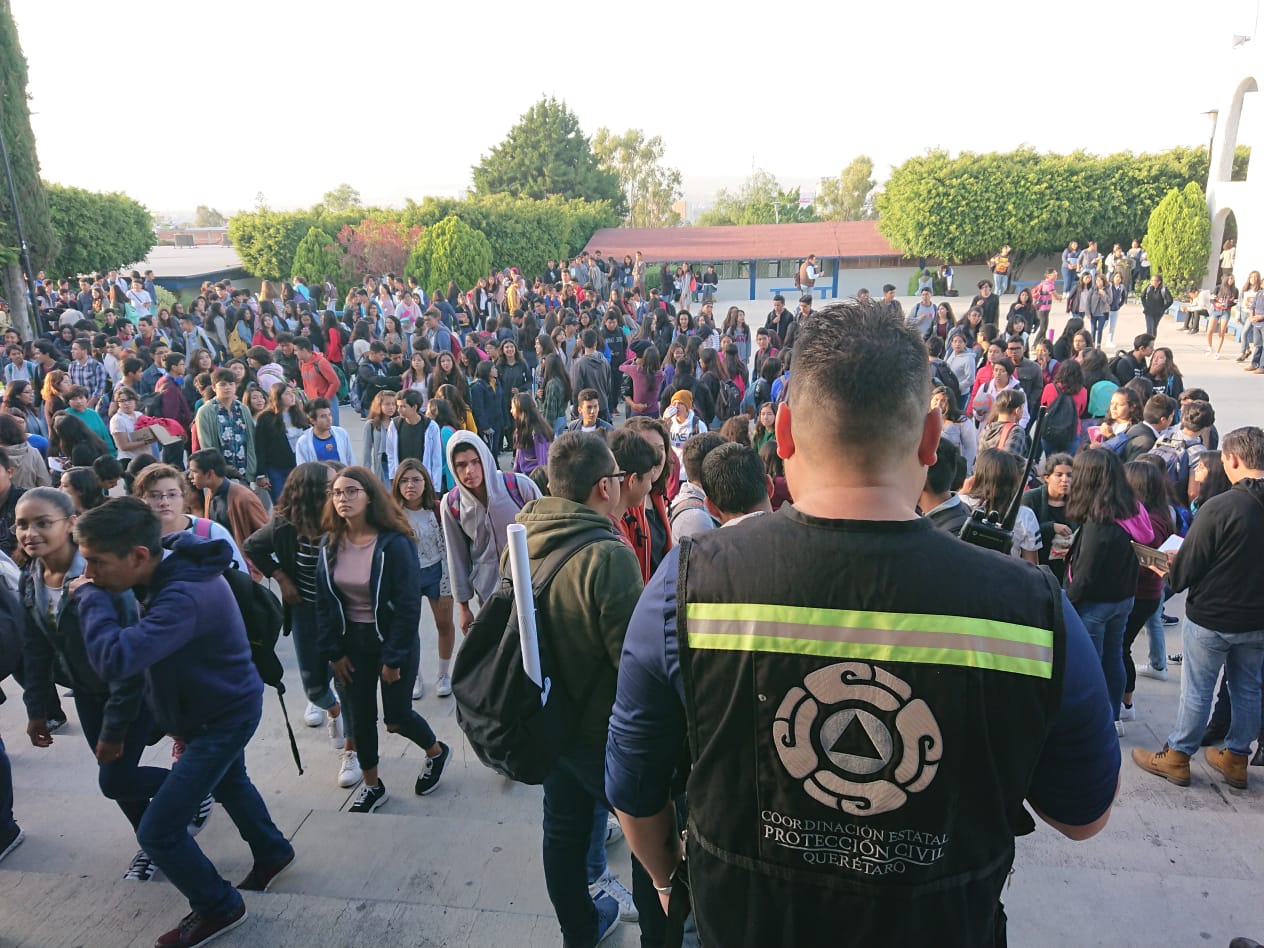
<point x="872" y="636"/>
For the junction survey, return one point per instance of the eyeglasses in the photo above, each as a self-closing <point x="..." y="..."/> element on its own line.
<point x="617" y="475"/>
<point x="411" y="480"/>
<point x="338" y="493"/>
<point x="168" y="495"/>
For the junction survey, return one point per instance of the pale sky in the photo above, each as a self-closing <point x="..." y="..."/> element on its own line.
<point x="196" y="102"/>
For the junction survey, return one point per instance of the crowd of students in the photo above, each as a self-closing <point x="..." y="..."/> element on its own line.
<point x="219" y="421"/>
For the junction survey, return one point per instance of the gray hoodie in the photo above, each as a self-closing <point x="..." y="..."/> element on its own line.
<point x="476" y="538"/>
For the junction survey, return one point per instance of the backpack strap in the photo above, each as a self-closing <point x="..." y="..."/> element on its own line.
<point x="557" y="558"/>
<point x="202" y="528"/>
<point x="454" y="503"/>
<point x="511" y="485"/>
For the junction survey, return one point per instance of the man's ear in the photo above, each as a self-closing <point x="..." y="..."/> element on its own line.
<point x="782" y="432"/>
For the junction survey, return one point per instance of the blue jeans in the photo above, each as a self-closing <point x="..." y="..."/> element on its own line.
<point x="1098" y="324"/>
<point x="276" y="480"/>
<point x="597" y="844"/>
<point x="1002" y="283"/>
<point x="1157" y="638"/>
<point x="1105" y="623"/>
<point x="6" y="789"/>
<point x="573" y="791"/>
<point x="1206" y="652"/>
<point x="313" y="670"/>
<point x="1068" y="280"/>
<point x="213" y="762"/>
<point x="124" y="781"/>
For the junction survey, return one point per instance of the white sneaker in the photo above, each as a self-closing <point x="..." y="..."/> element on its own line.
<point x="609" y="885"/>
<point x="443" y="686"/>
<point x="419" y="687"/>
<point x="313" y="716"/>
<point x="614" y="832"/>
<point x="349" y="773"/>
<point x="336" y="735"/>
<point x="1119" y="728"/>
<point x="1127" y="713"/>
<point x="1148" y="671"/>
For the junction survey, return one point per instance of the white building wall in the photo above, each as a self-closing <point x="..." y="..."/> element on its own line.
<point x="1244" y="198"/>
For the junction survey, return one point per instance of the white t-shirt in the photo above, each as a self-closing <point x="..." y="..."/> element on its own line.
<point x="141" y="300"/>
<point x="125" y="425"/>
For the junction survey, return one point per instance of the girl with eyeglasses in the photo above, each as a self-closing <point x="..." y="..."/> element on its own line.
<point x="166" y="491"/>
<point x="368" y="606"/>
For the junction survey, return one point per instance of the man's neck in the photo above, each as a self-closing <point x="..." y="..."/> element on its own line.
<point x="322" y="434"/>
<point x="928" y="501"/>
<point x="226" y="402"/>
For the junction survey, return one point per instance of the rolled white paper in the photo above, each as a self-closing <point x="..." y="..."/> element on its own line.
<point x="524" y="601"/>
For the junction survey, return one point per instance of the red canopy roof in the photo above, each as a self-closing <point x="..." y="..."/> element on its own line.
<point x="752" y="242"/>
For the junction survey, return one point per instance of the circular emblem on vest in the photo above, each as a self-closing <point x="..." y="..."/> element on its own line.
<point x="857" y="738"/>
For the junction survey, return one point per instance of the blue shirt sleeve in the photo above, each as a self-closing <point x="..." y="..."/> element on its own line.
<point x="647" y="723"/>
<point x="1078" y="771"/>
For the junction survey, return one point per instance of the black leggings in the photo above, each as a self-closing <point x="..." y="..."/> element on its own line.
<point x="365" y="652"/>
<point x="1142" y="609"/>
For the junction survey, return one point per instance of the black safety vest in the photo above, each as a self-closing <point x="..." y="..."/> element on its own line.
<point x="863" y="723"/>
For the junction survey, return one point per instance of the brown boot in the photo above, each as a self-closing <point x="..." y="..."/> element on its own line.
<point x="1166" y="763"/>
<point x="1231" y="765"/>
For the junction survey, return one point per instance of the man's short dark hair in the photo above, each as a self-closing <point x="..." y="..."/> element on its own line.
<point x="734" y="479"/>
<point x="1141" y="341"/>
<point x="118" y="526"/>
<point x="1195" y="395"/>
<point x="44" y="346"/>
<point x="223" y="375"/>
<point x="577" y="460"/>
<point x="316" y="404"/>
<point x="210" y="461"/>
<point x="630" y="456"/>
<point x="589" y="338"/>
<point x="302" y="342"/>
<point x="940" y="475"/>
<point x="888" y="287"/>
<point x="1005" y="363"/>
<point x="132" y="365"/>
<point x="861" y="382"/>
<point x="935" y="346"/>
<point x="414" y="398"/>
<point x="1247" y="445"/>
<point x="172" y="359"/>
<point x="11" y="432"/>
<point x="1158" y="407"/>
<point x="695" y="450"/>
<point x="587" y="395"/>
<point x="1197" y="416"/>
<point x="284" y="337"/>
<point x="377" y="346"/>
<point x="76" y="391"/>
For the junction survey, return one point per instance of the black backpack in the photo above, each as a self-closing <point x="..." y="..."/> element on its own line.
<point x="515" y="727"/>
<point x="729" y="400"/>
<point x="1062" y="422"/>
<point x="151" y="404"/>
<point x="263" y="616"/>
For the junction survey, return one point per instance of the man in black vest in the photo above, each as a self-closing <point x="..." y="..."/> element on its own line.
<point x="840" y="789"/>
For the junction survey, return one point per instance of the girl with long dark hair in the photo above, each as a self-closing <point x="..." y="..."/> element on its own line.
<point x="277" y="430"/>
<point x="287" y="549"/>
<point x="1153" y="493"/>
<point x="1101" y="565"/>
<point x="645" y="371"/>
<point x="368" y="606"/>
<point x="532" y="435"/>
<point x="440" y="412"/>
<point x="415" y="493"/>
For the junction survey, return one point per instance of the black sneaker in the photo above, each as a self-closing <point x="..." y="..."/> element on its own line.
<point x="142" y="868"/>
<point x="369" y="798"/>
<point x="1170" y="620"/>
<point x="429" y="777"/>
<point x="261" y="877"/>
<point x="196" y="930"/>
<point x="199" y="821"/>
<point x="10" y="839"/>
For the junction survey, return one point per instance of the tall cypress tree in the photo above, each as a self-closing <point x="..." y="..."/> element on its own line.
<point x="15" y="126"/>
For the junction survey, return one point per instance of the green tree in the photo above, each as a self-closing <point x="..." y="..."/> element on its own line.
<point x="759" y="200"/>
<point x="1177" y="236"/>
<point x="546" y="154"/>
<point x="846" y="198"/>
<point x="649" y="187"/>
<point x="450" y="250"/>
<point x="341" y="199"/>
<point x="267" y="240"/>
<point x="98" y="231"/>
<point x="966" y="207"/>
<point x="207" y="217"/>
<point x="15" y="126"/>
<point x="317" y="256"/>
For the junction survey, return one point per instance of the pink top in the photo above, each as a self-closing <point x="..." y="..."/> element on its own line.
<point x="353" y="570"/>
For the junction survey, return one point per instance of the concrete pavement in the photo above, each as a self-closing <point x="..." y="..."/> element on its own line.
<point x="462" y="867"/>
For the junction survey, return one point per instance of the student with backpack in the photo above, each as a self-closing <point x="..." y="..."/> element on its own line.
<point x="415" y="493"/>
<point x="368" y="606"/>
<point x="164" y="489"/>
<point x="113" y="716"/>
<point x="475" y="514"/>
<point x="200" y="682"/>
<point x="286" y="549"/>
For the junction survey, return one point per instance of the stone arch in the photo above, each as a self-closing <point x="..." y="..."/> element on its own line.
<point x="1218" y="221"/>
<point x="1227" y="128"/>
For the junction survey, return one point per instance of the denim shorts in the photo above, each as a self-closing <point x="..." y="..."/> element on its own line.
<point x="431" y="581"/>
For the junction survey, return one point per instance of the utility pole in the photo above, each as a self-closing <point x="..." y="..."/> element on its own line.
<point x="24" y="255"/>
